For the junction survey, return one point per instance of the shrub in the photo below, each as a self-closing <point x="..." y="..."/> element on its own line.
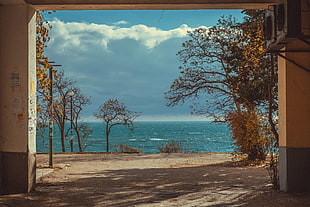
<point x="126" y="149"/>
<point x="247" y="135"/>
<point x="170" y="147"/>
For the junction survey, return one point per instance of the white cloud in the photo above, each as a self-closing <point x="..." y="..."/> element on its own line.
<point x="75" y="35"/>
<point x="120" y="22"/>
<point x="134" y="64"/>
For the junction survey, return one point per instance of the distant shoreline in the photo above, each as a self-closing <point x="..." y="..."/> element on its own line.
<point x="141" y="153"/>
<point x="137" y="121"/>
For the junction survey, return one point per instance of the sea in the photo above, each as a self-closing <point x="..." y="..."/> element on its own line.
<point x="193" y="136"/>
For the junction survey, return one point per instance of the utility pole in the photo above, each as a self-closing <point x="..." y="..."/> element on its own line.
<point x="51" y="114"/>
<point x="71" y="94"/>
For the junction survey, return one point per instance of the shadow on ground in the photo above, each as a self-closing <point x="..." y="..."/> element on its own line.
<point x="207" y="185"/>
<point x="132" y="187"/>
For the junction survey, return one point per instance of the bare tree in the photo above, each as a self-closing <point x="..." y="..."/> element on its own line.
<point x="62" y="88"/>
<point x="114" y="113"/>
<point x="81" y="129"/>
<point x="69" y="102"/>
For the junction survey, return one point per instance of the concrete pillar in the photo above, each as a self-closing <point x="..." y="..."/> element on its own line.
<point x="18" y="98"/>
<point x="294" y="118"/>
<point x="294" y="114"/>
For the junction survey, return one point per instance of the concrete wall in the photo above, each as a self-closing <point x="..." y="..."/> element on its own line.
<point x="150" y="4"/>
<point x="18" y="98"/>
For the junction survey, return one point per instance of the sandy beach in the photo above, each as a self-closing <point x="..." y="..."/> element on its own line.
<point x="193" y="179"/>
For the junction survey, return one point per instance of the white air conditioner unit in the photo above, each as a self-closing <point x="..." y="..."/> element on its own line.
<point x="282" y="24"/>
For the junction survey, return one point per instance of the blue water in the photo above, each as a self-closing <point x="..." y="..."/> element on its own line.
<point x="200" y="136"/>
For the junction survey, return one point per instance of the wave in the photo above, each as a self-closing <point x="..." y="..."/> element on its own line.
<point x="156" y="139"/>
<point x="195" y="133"/>
<point x="194" y="136"/>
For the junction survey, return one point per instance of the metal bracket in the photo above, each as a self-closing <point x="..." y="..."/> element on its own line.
<point x="286" y="51"/>
<point x="292" y="61"/>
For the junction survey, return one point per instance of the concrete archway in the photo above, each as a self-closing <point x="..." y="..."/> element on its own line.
<point x="18" y="98"/>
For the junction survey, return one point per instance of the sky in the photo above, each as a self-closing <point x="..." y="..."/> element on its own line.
<point x="128" y="55"/>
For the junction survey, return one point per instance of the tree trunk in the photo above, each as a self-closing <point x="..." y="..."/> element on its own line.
<point x="107" y="132"/>
<point x="271" y="101"/>
<point x="61" y="125"/>
<point x="79" y="141"/>
<point x="62" y="137"/>
<point x="77" y="132"/>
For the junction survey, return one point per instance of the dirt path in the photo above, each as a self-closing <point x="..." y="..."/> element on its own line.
<point x="152" y="180"/>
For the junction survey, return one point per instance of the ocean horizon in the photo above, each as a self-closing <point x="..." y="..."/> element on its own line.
<point x="194" y="136"/>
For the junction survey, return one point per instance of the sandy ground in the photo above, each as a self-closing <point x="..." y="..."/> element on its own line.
<point x="199" y="179"/>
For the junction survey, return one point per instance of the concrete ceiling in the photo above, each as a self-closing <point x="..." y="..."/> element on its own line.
<point x="143" y="4"/>
<point x="11" y="2"/>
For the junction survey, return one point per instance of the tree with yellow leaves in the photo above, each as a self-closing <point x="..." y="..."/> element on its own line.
<point x="42" y="66"/>
<point x="227" y="65"/>
<point x="62" y="86"/>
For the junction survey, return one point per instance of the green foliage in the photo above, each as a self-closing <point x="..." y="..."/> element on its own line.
<point x="170" y="147"/>
<point x="126" y="149"/>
